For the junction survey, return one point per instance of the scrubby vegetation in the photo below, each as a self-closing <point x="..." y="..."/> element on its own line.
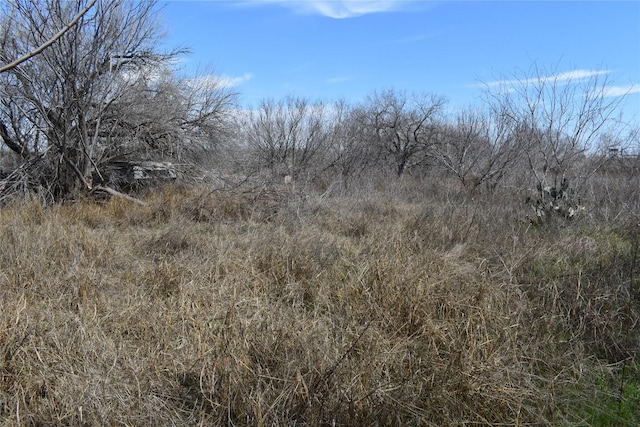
<point x="388" y="261"/>
<point x="404" y="304"/>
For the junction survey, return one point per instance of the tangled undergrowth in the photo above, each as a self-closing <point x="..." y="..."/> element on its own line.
<point x="210" y="308"/>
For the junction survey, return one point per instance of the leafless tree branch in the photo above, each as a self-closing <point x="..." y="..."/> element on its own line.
<point x="49" y="42"/>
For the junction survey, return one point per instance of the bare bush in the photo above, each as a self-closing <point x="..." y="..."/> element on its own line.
<point x="477" y="147"/>
<point x="101" y="91"/>
<point x="401" y="126"/>
<point x="558" y="119"/>
<point x="289" y="135"/>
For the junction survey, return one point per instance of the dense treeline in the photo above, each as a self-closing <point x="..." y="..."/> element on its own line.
<point x="103" y="93"/>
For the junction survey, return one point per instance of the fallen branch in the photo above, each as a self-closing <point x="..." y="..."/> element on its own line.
<point x="118" y="194"/>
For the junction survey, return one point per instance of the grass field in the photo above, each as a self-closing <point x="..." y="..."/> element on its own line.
<point x="397" y="305"/>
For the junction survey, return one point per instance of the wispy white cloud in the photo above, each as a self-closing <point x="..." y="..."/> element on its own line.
<point x="228" y="81"/>
<point x="220" y="81"/>
<point x="567" y="76"/>
<point x="337" y="9"/>
<point x="621" y="90"/>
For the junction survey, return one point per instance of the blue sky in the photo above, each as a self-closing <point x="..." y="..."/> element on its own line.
<point x="334" y="49"/>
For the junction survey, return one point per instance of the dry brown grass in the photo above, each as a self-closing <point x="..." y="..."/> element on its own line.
<point x="209" y="308"/>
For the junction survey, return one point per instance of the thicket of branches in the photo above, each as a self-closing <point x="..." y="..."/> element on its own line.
<point x="102" y="91"/>
<point x="99" y="91"/>
<point x="543" y="137"/>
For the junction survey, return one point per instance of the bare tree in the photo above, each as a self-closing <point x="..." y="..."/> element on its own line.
<point x="288" y="134"/>
<point x="101" y="90"/>
<point x="161" y="115"/>
<point x="59" y="98"/>
<point x="558" y="120"/>
<point x="349" y="152"/>
<point x="477" y="147"/>
<point x="558" y="117"/>
<point x="402" y="125"/>
<point x="49" y="42"/>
